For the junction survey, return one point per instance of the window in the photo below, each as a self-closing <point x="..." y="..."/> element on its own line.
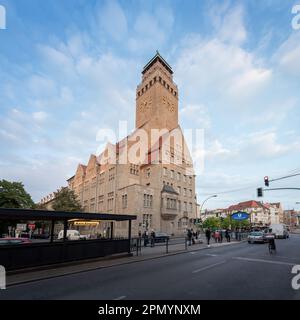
<point x="165" y="171"/>
<point x="172" y="174"/>
<point x="184" y="192"/>
<point x="171" y="203"/>
<point x="191" y="207"/>
<point x="111" y="174"/>
<point x="179" y="189"/>
<point x="185" y="206"/>
<point x="190" y="180"/>
<point x="134" y="169"/>
<point x="148" y="201"/>
<point x="184" y="178"/>
<point x="148" y="173"/>
<point x="147" y="221"/>
<point x="178" y="176"/>
<point x="191" y="192"/>
<point x="179" y="205"/>
<point x="124" y="201"/>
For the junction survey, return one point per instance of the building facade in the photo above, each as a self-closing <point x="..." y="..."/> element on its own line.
<point x="150" y="172"/>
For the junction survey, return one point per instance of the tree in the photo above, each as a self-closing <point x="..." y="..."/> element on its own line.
<point x="212" y="222"/>
<point x="66" y="200"/>
<point x="13" y="195"/>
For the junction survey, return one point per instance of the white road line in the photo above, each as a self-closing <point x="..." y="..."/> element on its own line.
<point x="264" y="261"/>
<point x="209" y="267"/>
<point x="210" y="255"/>
<point x="192" y="252"/>
<point x="120" y="298"/>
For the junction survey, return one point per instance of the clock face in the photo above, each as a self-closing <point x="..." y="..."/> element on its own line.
<point x="145" y="104"/>
<point x="168" y="104"/>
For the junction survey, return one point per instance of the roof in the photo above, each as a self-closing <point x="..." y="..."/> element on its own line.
<point x="159" y="58"/>
<point x="29" y="214"/>
<point x="168" y="189"/>
<point x="247" y="204"/>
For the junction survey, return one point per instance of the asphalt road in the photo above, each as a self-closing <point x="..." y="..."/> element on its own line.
<point x="240" y="271"/>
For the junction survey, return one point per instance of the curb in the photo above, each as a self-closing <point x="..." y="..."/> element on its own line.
<point x="12" y="284"/>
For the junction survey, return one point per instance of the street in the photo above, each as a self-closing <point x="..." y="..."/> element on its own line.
<point x="239" y="271"/>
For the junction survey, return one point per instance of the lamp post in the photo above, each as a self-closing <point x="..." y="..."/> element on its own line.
<point x="213" y="196"/>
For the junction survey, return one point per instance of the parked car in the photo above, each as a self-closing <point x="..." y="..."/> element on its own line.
<point x="13" y="241"/>
<point x="161" y="237"/>
<point x="257" y="237"/>
<point x="72" y="235"/>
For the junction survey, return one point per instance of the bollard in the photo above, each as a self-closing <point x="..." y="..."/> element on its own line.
<point x="167" y="246"/>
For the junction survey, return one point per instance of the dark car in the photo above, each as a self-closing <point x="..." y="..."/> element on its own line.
<point x="12" y="241"/>
<point x="161" y="237"/>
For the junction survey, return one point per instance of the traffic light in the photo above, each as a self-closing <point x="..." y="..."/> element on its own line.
<point x="260" y="192"/>
<point x="266" y="178"/>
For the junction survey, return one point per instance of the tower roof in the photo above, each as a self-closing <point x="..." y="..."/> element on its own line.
<point x="159" y="58"/>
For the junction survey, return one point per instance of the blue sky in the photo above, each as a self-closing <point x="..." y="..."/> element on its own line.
<point x="68" y="68"/>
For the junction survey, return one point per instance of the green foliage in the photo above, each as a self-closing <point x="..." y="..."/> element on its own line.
<point x="13" y="195"/>
<point x="212" y="222"/>
<point x="66" y="200"/>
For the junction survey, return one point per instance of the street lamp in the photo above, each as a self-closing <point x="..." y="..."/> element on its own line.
<point x="213" y="196"/>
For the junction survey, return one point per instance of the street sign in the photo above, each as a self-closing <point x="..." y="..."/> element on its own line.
<point x="21" y="226"/>
<point x="240" y="215"/>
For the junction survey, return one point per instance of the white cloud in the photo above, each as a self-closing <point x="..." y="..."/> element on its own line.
<point x="113" y="20"/>
<point x="287" y="56"/>
<point x="198" y="113"/>
<point x="39" y="116"/>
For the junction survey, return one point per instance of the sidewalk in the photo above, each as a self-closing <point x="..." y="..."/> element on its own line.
<point x="147" y="253"/>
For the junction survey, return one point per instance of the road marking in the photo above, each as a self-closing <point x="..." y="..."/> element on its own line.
<point x="193" y="252"/>
<point x="120" y="298"/>
<point x="264" y="261"/>
<point x="210" y="255"/>
<point x="209" y="267"/>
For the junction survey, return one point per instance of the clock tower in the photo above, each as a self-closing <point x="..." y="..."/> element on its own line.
<point x="157" y="96"/>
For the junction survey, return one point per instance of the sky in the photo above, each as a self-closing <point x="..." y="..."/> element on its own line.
<point x="69" y="68"/>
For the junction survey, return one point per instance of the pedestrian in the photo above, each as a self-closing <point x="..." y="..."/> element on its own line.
<point x="152" y="238"/>
<point x="221" y="236"/>
<point x="216" y="236"/>
<point x="208" y="235"/>
<point x="146" y="238"/>
<point x="189" y="236"/>
<point x="227" y="235"/>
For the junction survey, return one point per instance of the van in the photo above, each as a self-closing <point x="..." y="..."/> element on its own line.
<point x="71" y="235"/>
<point x="280" y="230"/>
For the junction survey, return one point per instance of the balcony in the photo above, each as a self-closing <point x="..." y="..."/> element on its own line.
<point x="169" y="214"/>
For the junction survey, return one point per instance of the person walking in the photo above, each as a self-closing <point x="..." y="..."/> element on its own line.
<point x="152" y="237"/>
<point x="227" y="235"/>
<point x="208" y="235"/>
<point x="146" y="238"/>
<point x="189" y="236"/>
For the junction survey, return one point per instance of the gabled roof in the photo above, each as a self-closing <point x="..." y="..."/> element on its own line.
<point x="156" y="58"/>
<point x="245" y="205"/>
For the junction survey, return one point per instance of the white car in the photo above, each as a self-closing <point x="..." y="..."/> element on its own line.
<point x="71" y="235"/>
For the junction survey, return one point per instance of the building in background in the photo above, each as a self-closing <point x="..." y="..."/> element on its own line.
<point x="160" y="187"/>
